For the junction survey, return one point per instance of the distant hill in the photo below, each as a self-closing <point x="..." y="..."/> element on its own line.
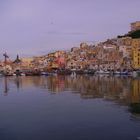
<point x="134" y="34"/>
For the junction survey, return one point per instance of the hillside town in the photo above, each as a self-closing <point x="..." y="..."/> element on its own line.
<point x="119" y="54"/>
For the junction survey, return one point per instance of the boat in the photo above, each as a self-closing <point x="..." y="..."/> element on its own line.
<point x="23" y="74"/>
<point x="45" y="73"/>
<point x="91" y="72"/>
<point x="124" y="73"/>
<point x="17" y="73"/>
<point x="102" y="72"/>
<point x="121" y="72"/>
<point x="79" y="72"/>
<point x="33" y="73"/>
<point x="135" y="73"/>
<point x="138" y="73"/>
<point x="64" y="72"/>
<point x="116" y="72"/>
<point x="106" y="72"/>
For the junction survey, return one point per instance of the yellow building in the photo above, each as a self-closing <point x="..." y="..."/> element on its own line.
<point x="135" y="26"/>
<point x="136" y="53"/>
<point x="26" y="62"/>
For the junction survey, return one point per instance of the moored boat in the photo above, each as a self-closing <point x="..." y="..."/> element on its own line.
<point x="64" y="72"/>
<point x="33" y="73"/>
<point x="45" y="73"/>
<point x="121" y="73"/>
<point x="91" y="72"/>
<point x="79" y="72"/>
<point x="102" y="72"/>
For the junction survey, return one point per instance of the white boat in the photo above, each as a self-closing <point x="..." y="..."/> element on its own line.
<point x="117" y="72"/>
<point x="102" y="72"/>
<point x="121" y="72"/>
<point x="106" y="72"/>
<point x="14" y="74"/>
<point x="23" y="74"/>
<point x="44" y="73"/>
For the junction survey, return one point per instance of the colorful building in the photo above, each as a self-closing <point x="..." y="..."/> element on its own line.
<point x="135" y="26"/>
<point x="136" y="53"/>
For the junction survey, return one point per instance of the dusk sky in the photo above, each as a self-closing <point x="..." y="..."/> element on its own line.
<point x="35" y="27"/>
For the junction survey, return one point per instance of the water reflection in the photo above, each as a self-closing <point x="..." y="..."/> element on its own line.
<point x="5" y="87"/>
<point x="122" y="90"/>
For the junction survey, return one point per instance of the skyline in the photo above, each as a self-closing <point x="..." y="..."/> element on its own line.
<point x="36" y="27"/>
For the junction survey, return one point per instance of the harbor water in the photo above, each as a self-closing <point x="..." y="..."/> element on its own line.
<point x="69" y="108"/>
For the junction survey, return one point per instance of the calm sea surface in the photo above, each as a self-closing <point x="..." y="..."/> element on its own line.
<point x="69" y="108"/>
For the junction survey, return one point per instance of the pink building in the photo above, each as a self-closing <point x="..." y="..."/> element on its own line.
<point x="61" y="61"/>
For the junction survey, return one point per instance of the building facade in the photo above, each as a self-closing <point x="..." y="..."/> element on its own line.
<point x="136" y="53"/>
<point x="135" y="26"/>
